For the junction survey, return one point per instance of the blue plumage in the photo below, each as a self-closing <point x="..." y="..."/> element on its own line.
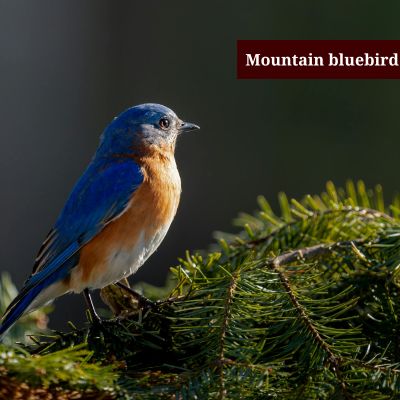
<point x="99" y="196"/>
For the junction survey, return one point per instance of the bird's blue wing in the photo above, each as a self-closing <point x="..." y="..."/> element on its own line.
<point x="102" y="193"/>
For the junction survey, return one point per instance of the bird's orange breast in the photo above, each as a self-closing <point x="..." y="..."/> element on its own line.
<point x="150" y="211"/>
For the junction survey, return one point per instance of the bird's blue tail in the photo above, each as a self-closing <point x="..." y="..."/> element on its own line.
<point x="35" y="284"/>
<point x="17" y="308"/>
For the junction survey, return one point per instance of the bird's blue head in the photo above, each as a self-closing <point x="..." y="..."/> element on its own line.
<point x="141" y="128"/>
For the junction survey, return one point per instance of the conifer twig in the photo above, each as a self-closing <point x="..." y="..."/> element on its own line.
<point x="307" y="253"/>
<point x="224" y="326"/>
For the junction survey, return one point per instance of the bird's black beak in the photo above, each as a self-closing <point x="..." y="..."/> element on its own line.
<point x="187" y="127"/>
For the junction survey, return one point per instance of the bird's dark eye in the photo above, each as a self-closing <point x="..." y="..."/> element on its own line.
<point x="164" y="123"/>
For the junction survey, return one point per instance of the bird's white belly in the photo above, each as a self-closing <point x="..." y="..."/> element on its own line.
<point x="123" y="262"/>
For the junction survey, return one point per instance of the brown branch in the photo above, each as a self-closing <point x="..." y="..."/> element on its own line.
<point x="12" y="388"/>
<point x="224" y="326"/>
<point x="308" y="253"/>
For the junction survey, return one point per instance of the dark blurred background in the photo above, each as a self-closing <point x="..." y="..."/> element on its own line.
<point x="67" y="67"/>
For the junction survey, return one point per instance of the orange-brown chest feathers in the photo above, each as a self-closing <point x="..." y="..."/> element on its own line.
<point x="126" y="242"/>
<point x="157" y="199"/>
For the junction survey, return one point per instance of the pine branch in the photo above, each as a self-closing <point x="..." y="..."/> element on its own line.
<point x="304" y="304"/>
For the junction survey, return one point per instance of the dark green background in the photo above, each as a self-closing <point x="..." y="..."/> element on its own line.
<point x="67" y="67"/>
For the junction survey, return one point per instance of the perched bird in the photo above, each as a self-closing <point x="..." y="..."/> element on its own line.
<point x="116" y="215"/>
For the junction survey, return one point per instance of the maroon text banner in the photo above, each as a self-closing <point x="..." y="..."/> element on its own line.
<point x="318" y="59"/>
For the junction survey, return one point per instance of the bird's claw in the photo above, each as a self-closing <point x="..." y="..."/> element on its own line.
<point x="147" y="304"/>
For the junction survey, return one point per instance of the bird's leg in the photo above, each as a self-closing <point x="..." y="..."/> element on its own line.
<point x="142" y="300"/>
<point x="90" y="305"/>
